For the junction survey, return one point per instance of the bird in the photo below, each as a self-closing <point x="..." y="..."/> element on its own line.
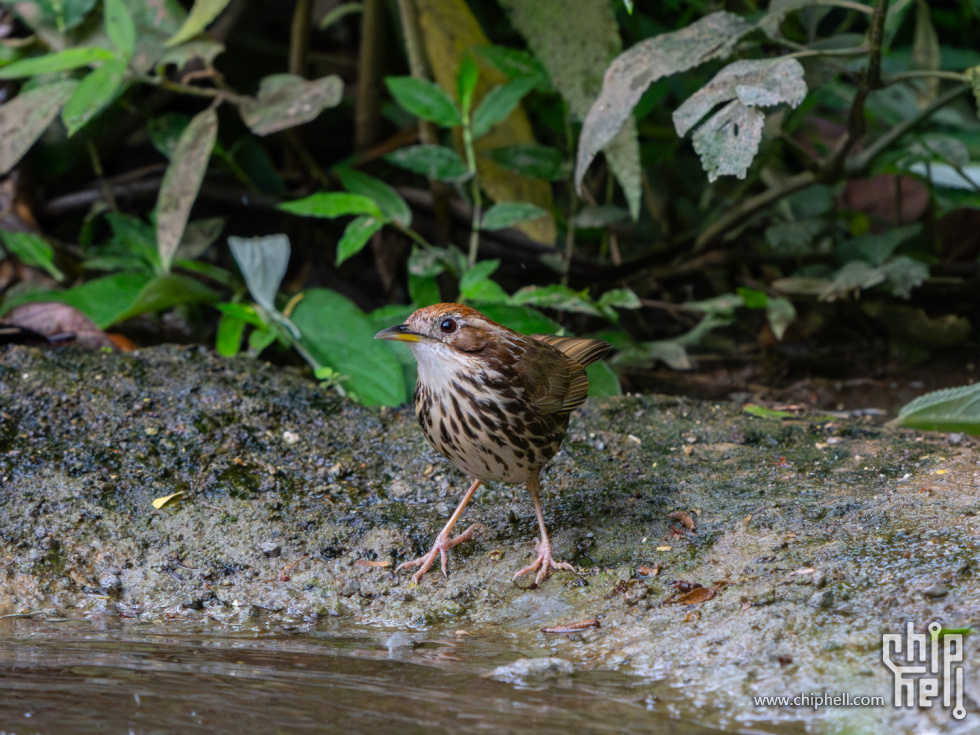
<point x="496" y="403"/>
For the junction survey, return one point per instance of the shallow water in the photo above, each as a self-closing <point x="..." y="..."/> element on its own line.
<point x="107" y="676"/>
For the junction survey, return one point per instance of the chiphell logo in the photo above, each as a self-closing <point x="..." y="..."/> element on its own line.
<point x="925" y="666"/>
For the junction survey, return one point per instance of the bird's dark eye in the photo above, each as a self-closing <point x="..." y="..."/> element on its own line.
<point x="448" y="326"/>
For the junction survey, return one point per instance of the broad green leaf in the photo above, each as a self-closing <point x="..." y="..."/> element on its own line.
<point x="727" y="142"/>
<point x="111" y="299"/>
<point x="633" y="71"/>
<point x="203" y="12"/>
<point x="753" y="298"/>
<point x="507" y="214"/>
<point x="523" y="319"/>
<point x="514" y="64"/>
<point x="951" y="409"/>
<point x="26" y="117"/>
<point x="356" y="236"/>
<point x="498" y="104"/>
<point x="925" y="53"/>
<point x="538" y="161"/>
<point x="781" y="313"/>
<point x="263" y="262"/>
<point x="119" y="27"/>
<point x="339" y="335"/>
<point x="425" y="99"/>
<point x="243" y="312"/>
<point x="96" y="90"/>
<point x="31" y="250"/>
<point x="484" y="292"/>
<point x="228" y="338"/>
<point x="388" y="200"/>
<point x="556" y="297"/>
<point x="164" y="292"/>
<point x="479" y="272"/>
<point x="619" y="298"/>
<point x="62" y="15"/>
<point x="876" y="248"/>
<point x="602" y="380"/>
<point x="287" y="100"/>
<point x="423" y="269"/>
<point x="672" y="353"/>
<point x="333" y="204"/>
<point x="599" y="215"/>
<point x="259" y="339"/>
<point x="182" y="181"/>
<point x="433" y="161"/>
<point x="466" y="78"/>
<point x="71" y="58"/>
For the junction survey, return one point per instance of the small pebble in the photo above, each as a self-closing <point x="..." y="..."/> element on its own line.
<point x="533" y="669"/>
<point x="821" y="600"/>
<point x="936" y="589"/>
<point x="271" y="549"/>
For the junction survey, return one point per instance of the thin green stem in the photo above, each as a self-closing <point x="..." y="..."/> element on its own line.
<point x="810" y="53"/>
<point x="474" y="190"/>
<point x="927" y="74"/>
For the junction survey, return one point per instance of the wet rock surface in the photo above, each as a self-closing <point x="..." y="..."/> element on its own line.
<point x="812" y="536"/>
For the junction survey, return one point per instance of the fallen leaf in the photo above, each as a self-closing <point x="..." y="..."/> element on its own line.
<point x="645" y="571"/>
<point x="697" y="596"/>
<point x="168" y="499"/>
<point x="574" y="627"/>
<point x="369" y="563"/>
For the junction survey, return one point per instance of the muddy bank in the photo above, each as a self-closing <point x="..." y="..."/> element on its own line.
<point x="816" y="535"/>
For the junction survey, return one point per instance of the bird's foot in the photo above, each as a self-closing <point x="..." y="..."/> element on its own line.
<point x="442" y="545"/>
<point x="544" y="563"/>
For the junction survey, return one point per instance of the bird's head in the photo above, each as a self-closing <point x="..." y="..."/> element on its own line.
<point x="447" y="328"/>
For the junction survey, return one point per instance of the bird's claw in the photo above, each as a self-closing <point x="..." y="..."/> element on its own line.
<point x="439" y="548"/>
<point x="544" y="563"/>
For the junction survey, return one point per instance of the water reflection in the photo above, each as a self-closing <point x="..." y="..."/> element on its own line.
<point x="106" y="676"/>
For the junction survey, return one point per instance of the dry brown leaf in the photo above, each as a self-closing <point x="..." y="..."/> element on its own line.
<point x="575" y="627"/>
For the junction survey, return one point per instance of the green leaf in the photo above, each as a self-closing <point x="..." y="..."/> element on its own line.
<point x="356" y="235"/>
<point x="619" y="298"/>
<point x="781" y="313"/>
<point x="602" y="380"/>
<point x="26" y="117"/>
<point x="164" y="292"/>
<point x="951" y="409"/>
<point x="96" y="90"/>
<point x="753" y="298"/>
<point x="120" y="28"/>
<point x="425" y="99"/>
<point x="203" y="12"/>
<point x="766" y="413"/>
<point x="514" y="64"/>
<point x="287" y="100"/>
<point x="479" y="272"/>
<point x="228" y="339"/>
<point x="263" y="262"/>
<point x="498" y="104"/>
<point x="507" y="214"/>
<point x="333" y="204"/>
<point x="433" y="161"/>
<point x="71" y="58"/>
<point x="339" y="335"/>
<point x="556" y="297"/>
<point x="244" y="313"/>
<point x="536" y="161"/>
<point x="466" y="78"/>
<point x="521" y="319"/>
<point x="182" y="181"/>
<point x="388" y="200"/>
<point x="111" y="299"/>
<point x="32" y="251"/>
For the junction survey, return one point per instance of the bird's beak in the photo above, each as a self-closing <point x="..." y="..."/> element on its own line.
<point x="400" y="333"/>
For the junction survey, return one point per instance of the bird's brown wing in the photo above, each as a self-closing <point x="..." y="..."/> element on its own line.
<point x="581" y="350"/>
<point x="558" y="382"/>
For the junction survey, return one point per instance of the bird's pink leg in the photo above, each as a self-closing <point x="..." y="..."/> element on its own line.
<point x="544" y="563"/>
<point x="443" y="542"/>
